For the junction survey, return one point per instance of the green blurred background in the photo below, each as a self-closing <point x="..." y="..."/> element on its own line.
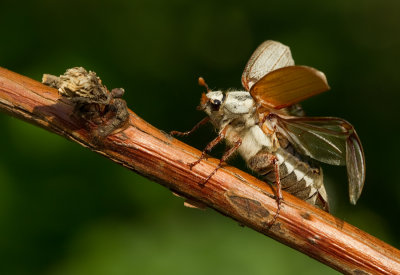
<point x="66" y="210"/>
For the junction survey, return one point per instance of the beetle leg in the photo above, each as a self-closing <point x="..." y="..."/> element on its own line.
<point x="197" y="126"/>
<point x="279" y="197"/>
<point x="209" y="147"/>
<point x="263" y="163"/>
<point x="224" y="157"/>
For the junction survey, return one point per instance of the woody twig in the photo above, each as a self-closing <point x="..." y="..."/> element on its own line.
<point x="135" y="144"/>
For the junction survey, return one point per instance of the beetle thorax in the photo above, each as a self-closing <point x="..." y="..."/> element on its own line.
<point x="234" y="107"/>
<point x="235" y="112"/>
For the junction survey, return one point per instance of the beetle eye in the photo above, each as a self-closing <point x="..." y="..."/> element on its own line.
<point x="215" y="104"/>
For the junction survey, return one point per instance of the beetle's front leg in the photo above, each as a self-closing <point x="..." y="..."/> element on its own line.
<point x="197" y="126"/>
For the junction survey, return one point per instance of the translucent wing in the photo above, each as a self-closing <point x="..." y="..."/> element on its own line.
<point x="355" y="167"/>
<point x="288" y="85"/>
<point x="269" y="56"/>
<point x="329" y="140"/>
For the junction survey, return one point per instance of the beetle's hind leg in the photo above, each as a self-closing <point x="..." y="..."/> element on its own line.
<point x="279" y="197"/>
<point x="263" y="163"/>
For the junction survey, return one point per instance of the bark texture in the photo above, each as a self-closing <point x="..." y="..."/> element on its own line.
<point x="156" y="155"/>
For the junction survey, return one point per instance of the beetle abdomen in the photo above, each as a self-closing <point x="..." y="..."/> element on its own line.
<point x="298" y="175"/>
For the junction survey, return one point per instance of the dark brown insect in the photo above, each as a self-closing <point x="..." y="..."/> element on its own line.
<point x="104" y="112"/>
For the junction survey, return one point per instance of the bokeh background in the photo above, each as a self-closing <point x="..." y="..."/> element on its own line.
<point x="66" y="210"/>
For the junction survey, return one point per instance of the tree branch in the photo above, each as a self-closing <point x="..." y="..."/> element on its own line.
<point x="156" y="155"/>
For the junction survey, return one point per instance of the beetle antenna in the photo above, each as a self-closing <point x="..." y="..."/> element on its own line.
<point x="203" y="83"/>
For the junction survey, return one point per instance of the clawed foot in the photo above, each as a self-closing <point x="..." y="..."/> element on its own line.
<point x="191" y="165"/>
<point x="279" y="201"/>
